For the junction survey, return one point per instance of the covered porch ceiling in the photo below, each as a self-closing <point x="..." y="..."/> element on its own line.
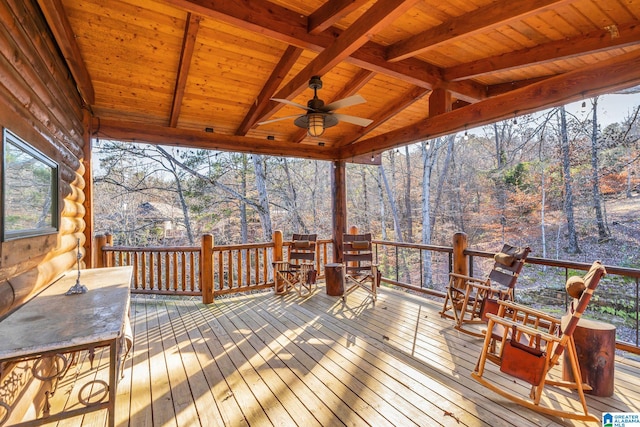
<point x="201" y="73"/>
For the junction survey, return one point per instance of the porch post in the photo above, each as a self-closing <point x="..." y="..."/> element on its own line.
<point x="109" y="256"/>
<point x="339" y="207"/>
<point x="90" y="251"/>
<point x="206" y="268"/>
<point x="101" y="241"/>
<point x="460" y="260"/>
<point x="277" y="245"/>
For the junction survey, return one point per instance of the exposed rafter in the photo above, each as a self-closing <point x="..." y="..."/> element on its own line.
<point x="482" y="19"/>
<point x="55" y="15"/>
<point x="595" y="41"/>
<point x="189" y="40"/>
<point x="331" y="12"/>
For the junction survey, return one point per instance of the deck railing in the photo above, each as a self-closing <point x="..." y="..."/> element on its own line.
<point x="420" y="268"/>
<point x="207" y="270"/>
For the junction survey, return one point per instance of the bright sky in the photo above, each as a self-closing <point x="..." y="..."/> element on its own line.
<point x="611" y="108"/>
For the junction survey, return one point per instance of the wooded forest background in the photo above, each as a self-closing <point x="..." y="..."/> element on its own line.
<point x="557" y="182"/>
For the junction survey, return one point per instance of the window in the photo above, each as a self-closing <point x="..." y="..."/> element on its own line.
<point x="29" y="190"/>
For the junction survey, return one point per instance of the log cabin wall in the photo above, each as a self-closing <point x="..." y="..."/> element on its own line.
<point x="39" y="102"/>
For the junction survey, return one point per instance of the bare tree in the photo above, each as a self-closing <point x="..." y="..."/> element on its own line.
<point x="603" y="229"/>
<point x="568" y="190"/>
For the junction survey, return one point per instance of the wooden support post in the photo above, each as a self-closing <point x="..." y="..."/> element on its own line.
<point x="101" y="241"/>
<point x="279" y="286"/>
<point x="206" y="269"/>
<point x="460" y="260"/>
<point x="339" y="207"/>
<point x="110" y="256"/>
<point x="353" y="229"/>
<point x="89" y="255"/>
<point x="439" y="102"/>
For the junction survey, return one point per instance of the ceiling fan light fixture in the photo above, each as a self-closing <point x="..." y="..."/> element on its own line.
<point x="315" y="124"/>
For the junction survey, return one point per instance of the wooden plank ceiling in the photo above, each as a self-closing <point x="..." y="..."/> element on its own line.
<point x="166" y="71"/>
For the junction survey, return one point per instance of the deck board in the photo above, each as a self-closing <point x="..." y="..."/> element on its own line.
<point x="264" y="360"/>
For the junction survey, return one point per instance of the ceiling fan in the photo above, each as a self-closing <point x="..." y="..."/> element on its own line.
<point x="319" y="116"/>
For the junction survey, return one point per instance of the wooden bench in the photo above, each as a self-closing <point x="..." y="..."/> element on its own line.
<point x="50" y="328"/>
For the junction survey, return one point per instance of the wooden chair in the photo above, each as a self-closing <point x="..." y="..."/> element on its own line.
<point x="359" y="269"/>
<point x="469" y="299"/>
<point x="299" y="272"/>
<point x="531" y="343"/>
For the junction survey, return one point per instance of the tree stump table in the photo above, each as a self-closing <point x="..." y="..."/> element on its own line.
<point x="333" y="279"/>
<point x="595" y="345"/>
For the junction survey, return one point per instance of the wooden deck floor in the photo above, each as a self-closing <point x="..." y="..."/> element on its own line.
<point x="264" y="360"/>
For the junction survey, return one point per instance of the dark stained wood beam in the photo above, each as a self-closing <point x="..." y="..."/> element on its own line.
<point x="382" y="116"/>
<point x="186" y="54"/>
<point x="439" y="102"/>
<point x="356" y="83"/>
<point x="480" y="20"/>
<point x="373" y="20"/>
<point x="153" y="134"/>
<point x="61" y="28"/>
<point x="602" y="77"/>
<point x="288" y="59"/>
<point x="595" y="41"/>
<point x="282" y="24"/>
<point x="331" y="12"/>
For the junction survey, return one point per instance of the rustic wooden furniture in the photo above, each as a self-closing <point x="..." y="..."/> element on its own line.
<point x="529" y="348"/>
<point x="359" y="269"/>
<point x="334" y="279"/>
<point x="52" y="326"/>
<point x="469" y="299"/>
<point x="299" y="272"/>
<point x="595" y="348"/>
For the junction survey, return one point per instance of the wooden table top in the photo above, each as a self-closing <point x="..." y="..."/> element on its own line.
<point x="53" y="320"/>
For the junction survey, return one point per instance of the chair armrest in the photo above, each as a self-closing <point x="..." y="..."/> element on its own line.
<point x="525" y="329"/>
<point x="530" y="311"/>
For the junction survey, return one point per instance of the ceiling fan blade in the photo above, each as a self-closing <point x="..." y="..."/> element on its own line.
<point x="344" y="102"/>
<point x="279" y="118"/>
<point x="353" y="119"/>
<point x="295" y="104"/>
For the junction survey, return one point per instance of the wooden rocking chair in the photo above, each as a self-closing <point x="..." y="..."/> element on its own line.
<point x="469" y="299"/>
<point x="299" y="272"/>
<point x="359" y="268"/>
<point x="530" y="347"/>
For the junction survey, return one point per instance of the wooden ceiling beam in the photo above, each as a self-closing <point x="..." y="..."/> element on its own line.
<point x="411" y="96"/>
<point x="373" y="20"/>
<point x="479" y="20"/>
<point x="595" y="41"/>
<point x="352" y="87"/>
<point x="330" y="13"/>
<point x="280" y="71"/>
<point x="282" y="24"/>
<point x="163" y="135"/>
<point x="186" y="54"/>
<point x="61" y="28"/>
<point x="602" y="77"/>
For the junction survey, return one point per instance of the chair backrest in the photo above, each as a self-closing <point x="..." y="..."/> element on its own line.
<point x="591" y="281"/>
<point x="356" y="252"/>
<point x="302" y="248"/>
<point x="508" y="264"/>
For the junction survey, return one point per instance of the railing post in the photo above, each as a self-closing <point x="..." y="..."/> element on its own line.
<point x="278" y="243"/>
<point x="460" y="260"/>
<point x="101" y="241"/>
<point x="206" y="268"/>
<point x="353" y="229"/>
<point x="110" y="256"/>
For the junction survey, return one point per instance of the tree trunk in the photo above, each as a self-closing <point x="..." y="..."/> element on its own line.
<point x="568" y="192"/>
<point x="407" y="196"/>
<point x="383" y="222"/>
<point x="603" y="229"/>
<point x="443" y="174"/>
<point x="263" y="197"/>
<point x="244" y="230"/>
<point x="292" y="198"/>
<point x="427" y="168"/>
<point x="183" y="202"/>
<point x="392" y="205"/>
